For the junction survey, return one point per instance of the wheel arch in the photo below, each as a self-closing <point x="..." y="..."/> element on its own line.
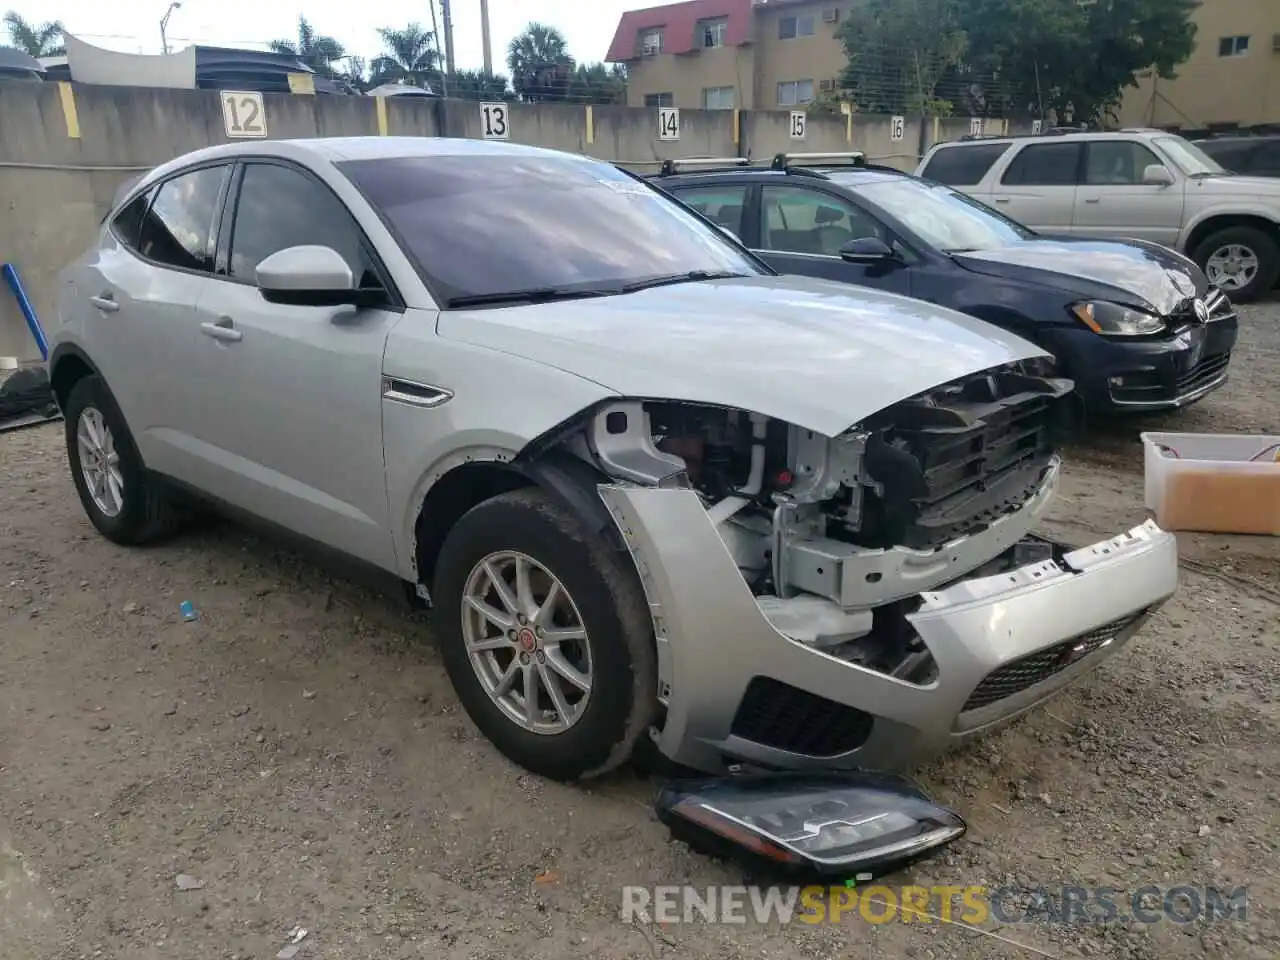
<point x="68" y="365"/>
<point x="1224" y="221"/>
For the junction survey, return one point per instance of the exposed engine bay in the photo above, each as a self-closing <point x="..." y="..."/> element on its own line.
<point x="837" y="537"/>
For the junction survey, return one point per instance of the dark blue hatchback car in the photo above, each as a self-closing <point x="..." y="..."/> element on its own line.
<point x="1135" y="325"/>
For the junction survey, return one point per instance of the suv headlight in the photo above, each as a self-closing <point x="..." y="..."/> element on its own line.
<point x="1114" y="320"/>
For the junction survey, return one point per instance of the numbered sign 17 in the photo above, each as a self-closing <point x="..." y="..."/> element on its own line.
<point x="897" y="129"/>
<point x="975" y="126"/>
<point x="668" y="123"/>
<point x="797" y="124"/>
<point x="495" y="123"/>
<point x="243" y="114"/>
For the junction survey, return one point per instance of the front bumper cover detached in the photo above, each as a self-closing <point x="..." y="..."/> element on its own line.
<point x="1001" y="644"/>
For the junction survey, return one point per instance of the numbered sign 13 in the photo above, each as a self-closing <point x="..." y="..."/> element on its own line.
<point x="495" y="122"/>
<point x="668" y="123"/>
<point x="797" y="124"/>
<point x="897" y="129"/>
<point x="243" y="114"/>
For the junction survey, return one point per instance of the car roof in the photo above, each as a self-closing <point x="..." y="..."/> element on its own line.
<point x="1056" y="136"/>
<point x="841" y="176"/>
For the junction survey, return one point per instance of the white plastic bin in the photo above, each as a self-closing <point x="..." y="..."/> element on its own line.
<point x="1217" y="483"/>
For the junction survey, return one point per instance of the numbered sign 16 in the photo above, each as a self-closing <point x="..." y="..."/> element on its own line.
<point x="668" y="123"/>
<point x="243" y="114"/>
<point x="1037" y="126"/>
<point x="975" y="126"/>
<point x="797" y="124"/>
<point x="495" y="124"/>
<point x="897" y="129"/>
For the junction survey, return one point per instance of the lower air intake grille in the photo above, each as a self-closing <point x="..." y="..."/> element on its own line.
<point x="778" y="715"/>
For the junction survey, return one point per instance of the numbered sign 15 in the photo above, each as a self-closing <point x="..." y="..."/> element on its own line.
<point x="668" y="123"/>
<point x="975" y="126"/>
<point x="797" y="124"/>
<point x="897" y="129"/>
<point x="243" y="114"/>
<point x="495" y="123"/>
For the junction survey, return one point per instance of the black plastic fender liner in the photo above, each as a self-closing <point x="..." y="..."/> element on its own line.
<point x="574" y="483"/>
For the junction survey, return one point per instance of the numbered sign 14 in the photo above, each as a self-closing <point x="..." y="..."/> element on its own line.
<point x="668" y="123"/>
<point x="797" y="124"/>
<point x="243" y="114"/>
<point x="975" y="126"/>
<point x="495" y="122"/>
<point x="897" y="129"/>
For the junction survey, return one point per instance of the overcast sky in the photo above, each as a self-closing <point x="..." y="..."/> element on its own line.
<point x="134" y="26"/>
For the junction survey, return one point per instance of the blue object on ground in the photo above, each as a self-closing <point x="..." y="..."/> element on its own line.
<point x="28" y="311"/>
<point x="188" y="610"/>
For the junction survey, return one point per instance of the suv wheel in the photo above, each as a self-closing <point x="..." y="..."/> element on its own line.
<point x="546" y="637"/>
<point x="1243" y="261"/>
<point x="115" y="490"/>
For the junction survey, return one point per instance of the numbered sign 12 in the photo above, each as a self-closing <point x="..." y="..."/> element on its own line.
<point x="797" y="124"/>
<point x="897" y="129"/>
<point x="243" y="114"/>
<point x="975" y="126"/>
<point x="495" y="122"/>
<point x="668" y="123"/>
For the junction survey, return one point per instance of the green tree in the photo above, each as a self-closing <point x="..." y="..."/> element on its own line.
<point x="540" y="65"/>
<point x="478" y="85"/>
<point x="315" y="50"/>
<point x="411" y="57"/>
<point x="598" y="83"/>
<point x="42" y="40"/>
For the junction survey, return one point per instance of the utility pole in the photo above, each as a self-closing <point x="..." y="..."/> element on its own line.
<point x="447" y="16"/>
<point x="484" y="37"/>
<point x="164" y="24"/>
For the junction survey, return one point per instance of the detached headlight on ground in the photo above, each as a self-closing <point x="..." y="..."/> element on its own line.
<point x="851" y="826"/>
<point x="1112" y="319"/>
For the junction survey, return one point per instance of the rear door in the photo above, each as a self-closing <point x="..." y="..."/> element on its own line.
<point x="1038" y="187"/>
<point x="725" y="204"/>
<point x="1113" y="202"/>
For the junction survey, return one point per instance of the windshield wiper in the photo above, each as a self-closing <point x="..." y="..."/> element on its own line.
<point x="693" y="276"/>
<point x="533" y="295"/>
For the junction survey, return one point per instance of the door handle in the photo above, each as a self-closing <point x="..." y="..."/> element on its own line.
<point x="1002" y="199"/>
<point x="1092" y="199"/>
<point x="224" y="329"/>
<point x="106" y="303"/>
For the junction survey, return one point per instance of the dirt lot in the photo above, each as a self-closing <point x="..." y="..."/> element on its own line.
<point x="298" y="751"/>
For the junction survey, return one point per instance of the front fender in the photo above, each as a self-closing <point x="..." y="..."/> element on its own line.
<point x="1234" y="208"/>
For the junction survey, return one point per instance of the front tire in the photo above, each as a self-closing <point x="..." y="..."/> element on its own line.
<point x="546" y="637"/>
<point x="119" y="497"/>
<point x="1243" y="261"/>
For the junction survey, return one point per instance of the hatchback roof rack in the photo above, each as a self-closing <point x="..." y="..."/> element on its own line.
<point x="670" y="167"/>
<point x="782" y="161"/>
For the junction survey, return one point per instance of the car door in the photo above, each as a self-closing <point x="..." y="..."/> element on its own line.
<point x="136" y="296"/>
<point x="724" y="204"/>
<point x="1112" y="201"/>
<point x="290" y="416"/>
<point x="801" y="230"/>
<point x="1038" y="186"/>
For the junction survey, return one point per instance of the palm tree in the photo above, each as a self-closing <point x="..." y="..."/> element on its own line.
<point x="411" y="56"/>
<point x="315" y="50"/>
<point x="44" y="40"/>
<point x="540" y="63"/>
<point x="478" y="85"/>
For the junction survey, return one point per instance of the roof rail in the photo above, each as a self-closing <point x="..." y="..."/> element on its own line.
<point x="783" y="160"/>
<point x="670" y="167"/>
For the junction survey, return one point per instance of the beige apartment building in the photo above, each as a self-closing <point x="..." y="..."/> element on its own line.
<point x="1231" y="80"/>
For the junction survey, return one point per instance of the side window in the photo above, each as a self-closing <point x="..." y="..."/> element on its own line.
<point x="724" y="205"/>
<point x="177" y="230"/>
<point x="1117" y="163"/>
<point x="127" y="225"/>
<point x="279" y="208"/>
<point x="963" y="166"/>
<point x="798" y="220"/>
<point x="1045" y="165"/>
<point x="1266" y="162"/>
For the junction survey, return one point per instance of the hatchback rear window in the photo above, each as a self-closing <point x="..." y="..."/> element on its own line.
<point x="963" y="166"/>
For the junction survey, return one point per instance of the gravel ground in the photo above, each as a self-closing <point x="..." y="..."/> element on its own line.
<point x="298" y="752"/>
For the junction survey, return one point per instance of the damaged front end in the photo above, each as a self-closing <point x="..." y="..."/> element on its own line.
<point x="868" y="599"/>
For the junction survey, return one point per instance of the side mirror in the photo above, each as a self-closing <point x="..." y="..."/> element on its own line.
<point x="1156" y="175"/>
<point x="308" y="276"/>
<point x="867" y="250"/>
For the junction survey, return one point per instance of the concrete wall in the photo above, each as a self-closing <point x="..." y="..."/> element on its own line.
<point x="66" y="149"/>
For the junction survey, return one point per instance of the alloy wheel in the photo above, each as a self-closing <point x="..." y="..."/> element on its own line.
<point x="100" y="462"/>
<point x="1232" y="267"/>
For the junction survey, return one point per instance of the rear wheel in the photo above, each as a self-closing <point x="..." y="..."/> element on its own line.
<point x="1244" y="262"/>
<point x="545" y="636"/>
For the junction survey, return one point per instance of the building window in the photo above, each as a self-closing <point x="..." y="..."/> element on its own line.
<point x="717" y="98"/>
<point x="659" y="100"/>
<point x="650" y="43"/>
<point x="792" y="93"/>
<point x="713" y="32"/>
<point x="791" y="27"/>
<point x="1233" y="46"/>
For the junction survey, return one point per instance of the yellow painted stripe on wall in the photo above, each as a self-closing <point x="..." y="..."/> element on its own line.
<point x="591" y="125"/>
<point x="381" y="104"/>
<point x="736" y="128"/>
<point x="68" y="97"/>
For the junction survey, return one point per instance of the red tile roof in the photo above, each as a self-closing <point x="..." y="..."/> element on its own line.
<point x="679" y="23"/>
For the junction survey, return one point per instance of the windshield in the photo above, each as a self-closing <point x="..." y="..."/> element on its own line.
<point x="480" y="226"/>
<point x="1190" y="159"/>
<point x="940" y="216"/>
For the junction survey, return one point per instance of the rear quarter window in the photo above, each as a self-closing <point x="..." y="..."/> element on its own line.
<point x="963" y="166"/>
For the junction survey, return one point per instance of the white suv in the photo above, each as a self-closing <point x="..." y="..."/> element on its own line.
<point x="1134" y="184"/>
